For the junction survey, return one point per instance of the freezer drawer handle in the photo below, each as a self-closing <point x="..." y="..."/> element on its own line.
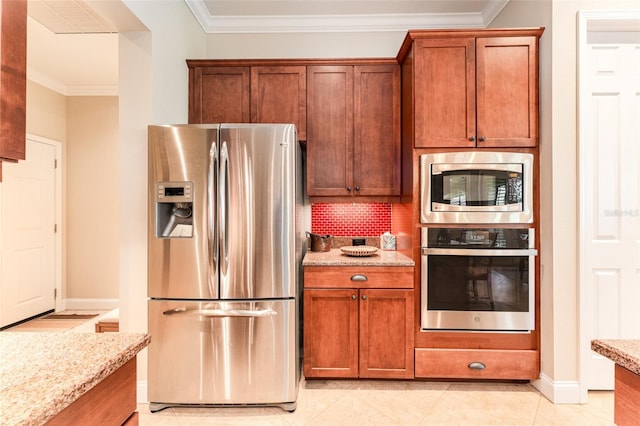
<point x="221" y="313"/>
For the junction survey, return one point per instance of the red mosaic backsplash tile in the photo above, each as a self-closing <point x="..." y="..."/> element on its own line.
<point x="351" y="219"/>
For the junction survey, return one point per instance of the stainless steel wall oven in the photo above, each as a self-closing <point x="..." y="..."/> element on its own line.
<point x="478" y="279"/>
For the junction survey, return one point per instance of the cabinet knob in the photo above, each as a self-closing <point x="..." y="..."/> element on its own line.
<point x="349" y="188"/>
<point x="354" y="297"/>
<point x="364" y="297"/>
<point x="472" y="138"/>
<point x="357" y="188"/>
<point x="482" y="138"/>
<point x="477" y="366"/>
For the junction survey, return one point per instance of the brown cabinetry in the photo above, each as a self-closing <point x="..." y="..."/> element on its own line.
<point x="477" y="364"/>
<point x="13" y="79"/>
<point x="353" y="139"/>
<point x="247" y="94"/>
<point x="358" y="322"/>
<point x="474" y="89"/>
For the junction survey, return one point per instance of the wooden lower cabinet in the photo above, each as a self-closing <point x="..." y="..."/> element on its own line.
<point x="359" y="332"/>
<point x="110" y="402"/>
<point x="477" y="364"/>
<point x="626" y="397"/>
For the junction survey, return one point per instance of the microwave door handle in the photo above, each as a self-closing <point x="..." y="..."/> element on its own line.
<point x="479" y="252"/>
<point x="221" y="313"/>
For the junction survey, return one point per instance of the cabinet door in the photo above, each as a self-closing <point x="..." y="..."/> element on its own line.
<point x="279" y="95"/>
<point x="507" y="94"/>
<point x="445" y="93"/>
<point x="376" y="131"/>
<point x="330" y="333"/>
<point x="329" y="130"/>
<point x="13" y="79"/>
<point x="386" y="334"/>
<point x="219" y="95"/>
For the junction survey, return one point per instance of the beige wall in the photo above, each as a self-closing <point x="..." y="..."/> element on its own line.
<point x="306" y="45"/>
<point x="87" y="128"/>
<point x="92" y="198"/>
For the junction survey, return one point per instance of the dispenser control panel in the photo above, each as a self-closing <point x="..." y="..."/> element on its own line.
<point x="174" y="192"/>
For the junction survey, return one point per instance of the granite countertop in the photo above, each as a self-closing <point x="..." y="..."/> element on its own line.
<point x="43" y="373"/>
<point x="335" y="257"/>
<point x="625" y="353"/>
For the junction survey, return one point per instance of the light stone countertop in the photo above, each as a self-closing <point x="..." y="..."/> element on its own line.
<point x="43" y="373"/>
<point x="335" y="257"/>
<point x="624" y="352"/>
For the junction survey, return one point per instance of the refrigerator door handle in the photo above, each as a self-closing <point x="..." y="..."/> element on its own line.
<point x="212" y="213"/>
<point x="221" y="313"/>
<point x="223" y="212"/>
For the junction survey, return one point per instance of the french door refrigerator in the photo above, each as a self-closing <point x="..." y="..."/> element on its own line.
<point x="225" y="244"/>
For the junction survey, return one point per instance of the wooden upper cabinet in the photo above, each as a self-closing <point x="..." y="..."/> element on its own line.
<point x="376" y="144"/>
<point x="13" y="79"/>
<point x="330" y="130"/>
<point x="248" y="94"/>
<point x="507" y="91"/>
<point x="476" y="92"/>
<point x="279" y="95"/>
<point x="353" y="143"/>
<point x="219" y="94"/>
<point x="445" y="91"/>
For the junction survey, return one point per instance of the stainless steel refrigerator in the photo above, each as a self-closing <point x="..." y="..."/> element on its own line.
<point x="225" y="244"/>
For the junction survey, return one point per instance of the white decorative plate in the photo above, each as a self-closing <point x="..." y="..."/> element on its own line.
<point x="359" y="251"/>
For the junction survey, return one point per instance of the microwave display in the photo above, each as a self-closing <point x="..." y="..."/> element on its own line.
<point x="477" y="187"/>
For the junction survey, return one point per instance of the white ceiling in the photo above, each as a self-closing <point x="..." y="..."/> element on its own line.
<point x="73" y="44"/>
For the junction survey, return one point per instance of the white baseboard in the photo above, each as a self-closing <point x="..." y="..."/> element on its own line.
<point x="88" y="304"/>
<point x="558" y="392"/>
<point x="141" y="390"/>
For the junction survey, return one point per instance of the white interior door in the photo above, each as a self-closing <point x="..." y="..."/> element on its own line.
<point x="28" y="217"/>
<point x="609" y="207"/>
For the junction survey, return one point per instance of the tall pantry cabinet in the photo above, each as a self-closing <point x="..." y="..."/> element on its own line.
<point x="471" y="90"/>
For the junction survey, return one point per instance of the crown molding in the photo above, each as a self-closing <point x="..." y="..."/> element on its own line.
<point x="65" y="90"/>
<point x="340" y="23"/>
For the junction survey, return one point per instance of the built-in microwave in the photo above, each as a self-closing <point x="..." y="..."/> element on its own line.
<point x="476" y="187"/>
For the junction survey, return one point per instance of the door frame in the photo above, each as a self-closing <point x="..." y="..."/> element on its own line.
<point x="614" y="21"/>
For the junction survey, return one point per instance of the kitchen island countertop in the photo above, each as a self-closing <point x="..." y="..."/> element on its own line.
<point x="43" y="373"/>
<point x="335" y="257"/>
<point x="625" y="353"/>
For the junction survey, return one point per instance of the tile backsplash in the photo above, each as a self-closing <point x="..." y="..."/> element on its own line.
<point x="351" y="219"/>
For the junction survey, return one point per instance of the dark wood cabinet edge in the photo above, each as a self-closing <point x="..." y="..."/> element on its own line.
<point x="195" y="63"/>
<point x="412" y="35"/>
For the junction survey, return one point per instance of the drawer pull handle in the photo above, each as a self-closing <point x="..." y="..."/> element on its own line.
<point x="477" y="366"/>
<point x="359" y="277"/>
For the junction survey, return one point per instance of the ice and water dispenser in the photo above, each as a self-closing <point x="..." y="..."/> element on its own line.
<point x="174" y="209"/>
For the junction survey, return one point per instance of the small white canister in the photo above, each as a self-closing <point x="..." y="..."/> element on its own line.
<point x="388" y="241"/>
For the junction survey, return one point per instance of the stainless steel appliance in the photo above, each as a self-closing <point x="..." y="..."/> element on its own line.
<point x="225" y="243"/>
<point x="476" y="187"/>
<point x="478" y="279"/>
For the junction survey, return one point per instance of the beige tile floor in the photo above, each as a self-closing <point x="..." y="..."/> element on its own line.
<point x="377" y="402"/>
<point x="331" y="402"/>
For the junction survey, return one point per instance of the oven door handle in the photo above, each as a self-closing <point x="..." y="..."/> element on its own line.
<point x="479" y="252"/>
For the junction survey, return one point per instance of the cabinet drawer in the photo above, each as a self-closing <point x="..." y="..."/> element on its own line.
<point x="477" y="364"/>
<point x="358" y="277"/>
